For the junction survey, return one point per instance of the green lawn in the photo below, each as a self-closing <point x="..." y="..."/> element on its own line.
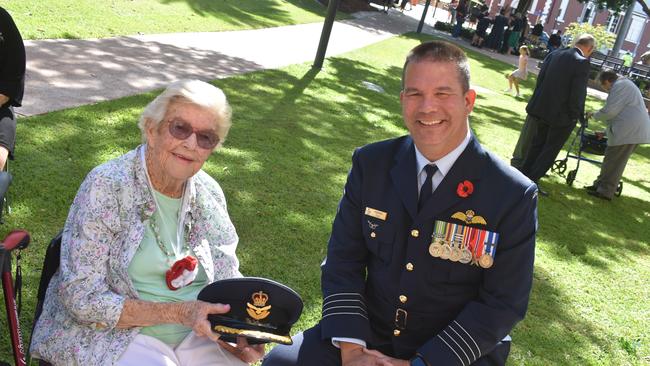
<point x="41" y="19"/>
<point x="283" y="169"/>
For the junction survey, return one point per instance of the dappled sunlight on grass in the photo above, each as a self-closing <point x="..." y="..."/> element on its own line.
<point x="283" y="168"/>
<point x="39" y="19"/>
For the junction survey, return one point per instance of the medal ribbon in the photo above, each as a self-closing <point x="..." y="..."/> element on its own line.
<point x="439" y="229"/>
<point x="449" y="229"/>
<point x="480" y="240"/>
<point x="467" y="238"/>
<point x="491" y="243"/>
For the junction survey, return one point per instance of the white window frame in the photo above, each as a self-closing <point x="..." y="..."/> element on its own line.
<point x="563" y="7"/>
<point x="635" y="31"/>
<point x="613" y="19"/>
<point x="589" y="6"/>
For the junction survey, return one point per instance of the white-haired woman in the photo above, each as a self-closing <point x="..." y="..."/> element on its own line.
<point x="145" y="233"/>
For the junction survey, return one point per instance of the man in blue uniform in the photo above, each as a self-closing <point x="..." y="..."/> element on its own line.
<point x="431" y="255"/>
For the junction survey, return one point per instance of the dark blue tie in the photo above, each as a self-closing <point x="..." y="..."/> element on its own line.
<point x="427" y="189"/>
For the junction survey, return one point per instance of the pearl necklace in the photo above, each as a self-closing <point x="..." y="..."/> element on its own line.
<point x="156" y="233"/>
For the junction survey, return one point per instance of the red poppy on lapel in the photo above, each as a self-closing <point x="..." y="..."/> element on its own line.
<point x="465" y="189"/>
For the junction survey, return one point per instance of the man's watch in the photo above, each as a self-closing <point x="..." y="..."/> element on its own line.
<point x="417" y="360"/>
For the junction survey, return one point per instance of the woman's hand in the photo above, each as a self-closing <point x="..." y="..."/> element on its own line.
<point x="244" y="351"/>
<point x="194" y="314"/>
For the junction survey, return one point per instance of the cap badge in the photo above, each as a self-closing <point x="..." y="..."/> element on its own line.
<point x="469" y="217"/>
<point x="258" y="310"/>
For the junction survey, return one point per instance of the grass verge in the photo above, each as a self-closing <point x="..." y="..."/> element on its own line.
<point x="73" y="19"/>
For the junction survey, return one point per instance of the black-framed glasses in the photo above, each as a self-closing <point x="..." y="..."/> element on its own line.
<point x="206" y="139"/>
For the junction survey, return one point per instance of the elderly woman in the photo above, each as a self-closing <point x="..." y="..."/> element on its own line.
<point x="145" y="233"/>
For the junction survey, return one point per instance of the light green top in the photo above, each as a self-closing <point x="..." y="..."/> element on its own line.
<point x="149" y="265"/>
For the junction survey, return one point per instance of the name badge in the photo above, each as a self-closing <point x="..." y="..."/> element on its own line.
<point x="381" y="215"/>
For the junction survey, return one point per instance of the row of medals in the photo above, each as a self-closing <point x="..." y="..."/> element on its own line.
<point x="456" y="252"/>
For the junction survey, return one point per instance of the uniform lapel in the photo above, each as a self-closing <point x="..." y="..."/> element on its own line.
<point x="469" y="166"/>
<point x="404" y="176"/>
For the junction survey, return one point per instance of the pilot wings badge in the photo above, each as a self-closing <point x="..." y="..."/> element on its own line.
<point x="258" y="310"/>
<point x="469" y="217"/>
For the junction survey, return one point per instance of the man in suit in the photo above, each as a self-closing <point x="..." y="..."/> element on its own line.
<point x="628" y="125"/>
<point x="556" y="105"/>
<point x="430" y="259"/>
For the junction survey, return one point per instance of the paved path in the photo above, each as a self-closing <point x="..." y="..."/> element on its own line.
<point x="69" y="73"/>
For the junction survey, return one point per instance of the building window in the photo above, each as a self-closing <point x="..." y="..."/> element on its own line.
<point x="587" y="13"/>
<point x="636" y="27"/>
<point x="563" y="7"/>
<point x="612" y="22"/>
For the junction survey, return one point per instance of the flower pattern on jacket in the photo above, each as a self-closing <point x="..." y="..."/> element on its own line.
<point x="103" y="230"/>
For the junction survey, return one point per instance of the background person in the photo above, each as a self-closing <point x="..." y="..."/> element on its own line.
<point x="481" y="27"/>
<point x="521" y="73"/>
<point x="145" y="233"/>
<point x="553" y="110"/>
<point x="452" y="12"/>
<point x="515" y="33"/>
<point x="555" y="41"/>
<point x="12" y="83"/>
<point x="536" y="33"/>
<point x="628" y="125"/>
<point x="391" y="296"/>
<point x="495" y="39"/>
<point x="461" y="13"/>
<point x="645" y="58"/>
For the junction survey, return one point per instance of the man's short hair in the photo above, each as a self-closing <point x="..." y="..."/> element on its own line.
<point x="439" y="51"/>
<point x="608" y="75"/>
<point x="586" y="40"/>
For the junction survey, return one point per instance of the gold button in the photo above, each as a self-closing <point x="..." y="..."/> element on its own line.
<point x="396" y="332"/>
<point x="403" y="299"/>
<point x="372" y="234"/>
<point x="415" y="233"/>
<point x="409" y="266"/>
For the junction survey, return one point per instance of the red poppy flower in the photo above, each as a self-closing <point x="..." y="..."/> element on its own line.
<point x="465" y="189"/>
<point x="182" y="273"/>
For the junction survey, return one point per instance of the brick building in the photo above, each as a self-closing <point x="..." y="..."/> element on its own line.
<point x="558" y="14"/>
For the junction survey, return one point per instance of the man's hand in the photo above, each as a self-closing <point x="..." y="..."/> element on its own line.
<point x="3" y="99"/>
<point x="356" y="355"/>
<point x="244" y="351"/>
<point x="194" y="314"/>
<point x="384" y="360"/>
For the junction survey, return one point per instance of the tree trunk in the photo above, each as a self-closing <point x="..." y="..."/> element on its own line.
<point x="622" y="31"/>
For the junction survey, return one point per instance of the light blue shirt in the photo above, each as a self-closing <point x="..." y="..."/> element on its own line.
<point x="444" y="164"/>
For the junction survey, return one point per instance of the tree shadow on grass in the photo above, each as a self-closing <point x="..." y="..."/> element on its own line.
<point x="148" y="65"/>
<point x="587" y="223"/>
<point x="490" y="114"/>
<point x="253" y="14"/>
<point x="307" y="139"/>
<point x="555" y="332"/>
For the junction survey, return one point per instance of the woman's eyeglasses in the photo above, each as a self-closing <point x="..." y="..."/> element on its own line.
<point x="206" y="139"/>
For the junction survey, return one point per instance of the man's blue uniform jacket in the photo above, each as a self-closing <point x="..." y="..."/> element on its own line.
<point x="379" y="276"/>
